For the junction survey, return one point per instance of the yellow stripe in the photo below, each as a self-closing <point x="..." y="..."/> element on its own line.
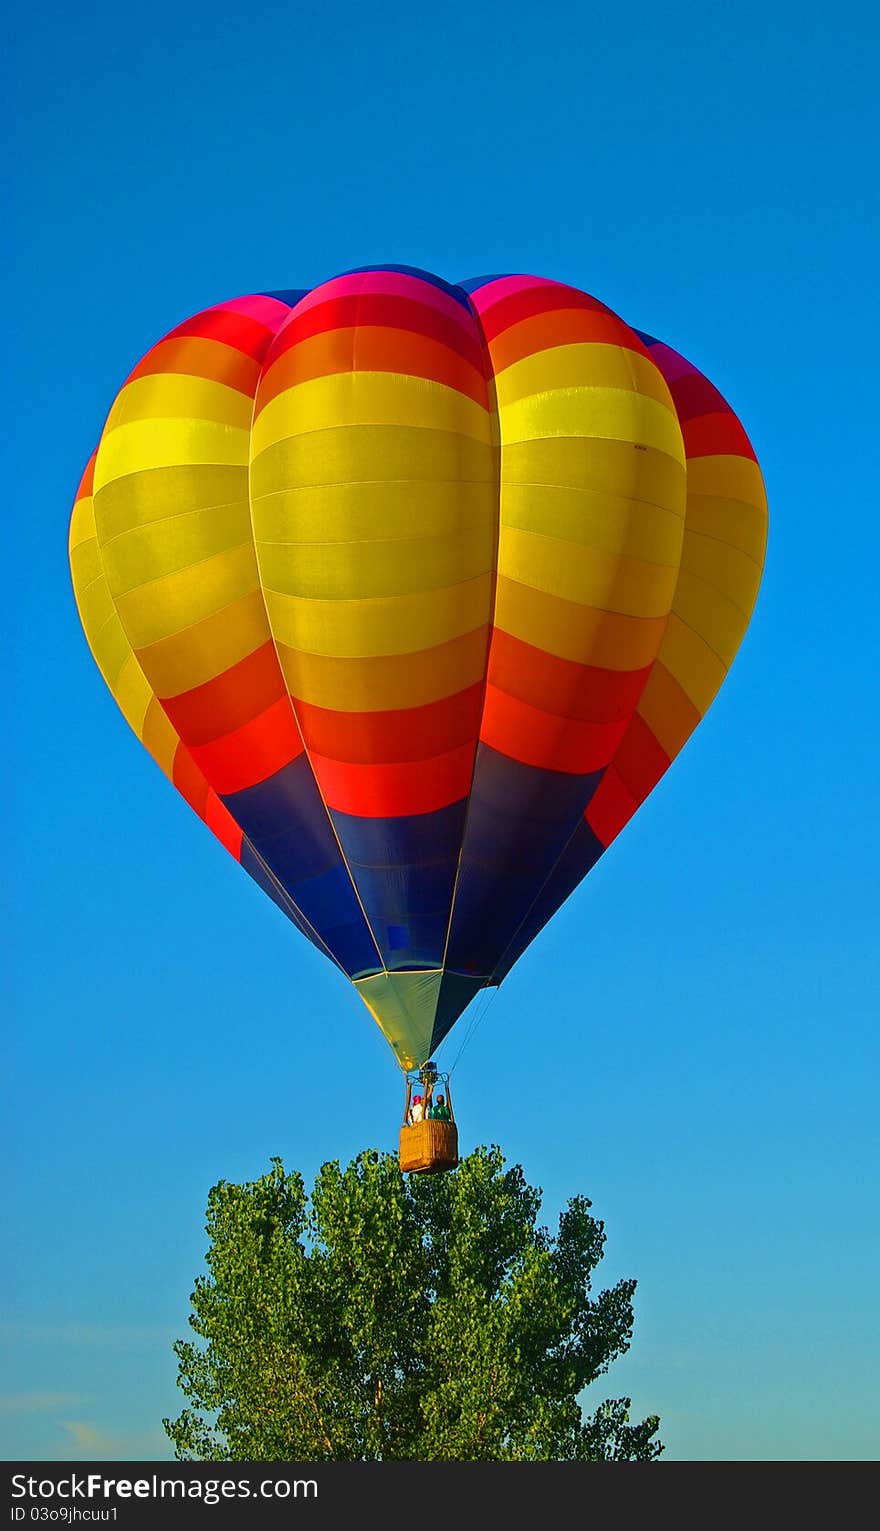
<point x="589" y="518"/>
<point x="368" y="398"/>
<point x="356" y="512"/>
<point x="389" y="681"/>
<point x="585" y="575"/>
<point x="179" y="600"/>
<point x="345" y="571"/>
<point x="132" y="694"/>
<point x="112" y="650"/>
<point x="167" y="443"/>
<point x="586" y="364"/>
<point x="206" y="649"/>
<point x="726" y="569"/>
<point x="570" y="631"/>
<point x="607" y="467"/>
<point x="85" y="563"/>
<point x="607" y="413"/>
<point x="717" y="621"/>
<point x="691" y="662"/>
<point x="729" y="521"/>
<point x="727" y="477"/>
<point x="94" y="606"/>
<point x="393" y="625"/>
<point x="366" y="453"/>
<point x="139" y="499"/>
<point x="170" y="395"/>
<point x="149" y="552"/>
<point x="82" y="523"/>
<point x="160" y="738"/>
<point x="106" y="640"/>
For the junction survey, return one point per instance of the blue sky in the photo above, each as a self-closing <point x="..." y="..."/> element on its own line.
<point x="693" y="1041"/>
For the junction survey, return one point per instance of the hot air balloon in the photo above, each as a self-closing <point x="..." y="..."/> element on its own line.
<point x="414" y="591"/>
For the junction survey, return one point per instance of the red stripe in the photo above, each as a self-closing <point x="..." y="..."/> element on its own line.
<point x="392" y="791"/>
<point x="407" y="734"/>
<point x="716" y="436"/>
<point x="226" y="703"/>
<point x="191" y="784"/>
<point x="694" y="395"/>
<point x="381" y="310"/>
<point x="585" y="692"/>
<point x="612" y="805"/>
<point x="641" y="760"/>
<point x="538" y="738"/>
<point x="545" y="299"/>
<point x="238" y="330"/>
<point x="220" y="821"/>
<point x="254" y="753"/>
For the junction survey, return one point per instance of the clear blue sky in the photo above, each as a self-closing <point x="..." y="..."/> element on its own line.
<point x="693" y="1041"/>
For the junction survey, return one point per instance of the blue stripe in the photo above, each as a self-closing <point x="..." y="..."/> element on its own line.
<point x="256" y="868"/>
<point x="474" y="283"/>
<point x="289" y="295"/>
<point x="286" y="822"/>
<point x="404" y="869"/>
<point x="519" y="821"/>
<point x="579" y="857"/>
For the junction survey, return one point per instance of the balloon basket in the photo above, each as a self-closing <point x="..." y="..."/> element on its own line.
<point x="428" y="1142"/>
<point x="428" y="1147"/>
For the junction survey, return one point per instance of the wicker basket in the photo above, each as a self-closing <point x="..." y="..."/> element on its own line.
<point x="429" y="1145"/>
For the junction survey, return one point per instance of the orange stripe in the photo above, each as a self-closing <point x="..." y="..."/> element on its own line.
<point x="392" y="791"/>
<point x="586" y="692"/>
<point x="668" y="710"/>
<point x="408" y="734"/>
<point x="202" y="358"/>
<point x="86" y="483"/>
<point x="372" y="349"/>
<point x="542" y="739"/>
<point x="560" y="327"/>
<point x="254" y="753"/>
<point x="612" y="806"/>
<point x="190" y="780"/>
<point x="226" y="703"/>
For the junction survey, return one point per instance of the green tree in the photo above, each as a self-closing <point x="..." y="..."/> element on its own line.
<point x="427" y="1318"/>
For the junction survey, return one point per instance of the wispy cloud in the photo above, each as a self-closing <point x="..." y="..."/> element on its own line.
<point x="39" y="1403"/>
<point x="90" y="1441"/>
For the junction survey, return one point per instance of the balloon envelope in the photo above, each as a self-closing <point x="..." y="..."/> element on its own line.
<point x="414" y="591"/>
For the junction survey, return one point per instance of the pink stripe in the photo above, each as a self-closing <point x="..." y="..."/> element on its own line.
<point x="391" y="283"/>
<point x="493" y="292"/>
<point x="671" y="364"/>
<point x="268" y="311"/>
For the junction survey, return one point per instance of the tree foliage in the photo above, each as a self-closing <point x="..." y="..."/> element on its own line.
<point x="427" y="1318"/>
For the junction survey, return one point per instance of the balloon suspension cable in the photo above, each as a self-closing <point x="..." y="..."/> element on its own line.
<point x="481" y="1010"/>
